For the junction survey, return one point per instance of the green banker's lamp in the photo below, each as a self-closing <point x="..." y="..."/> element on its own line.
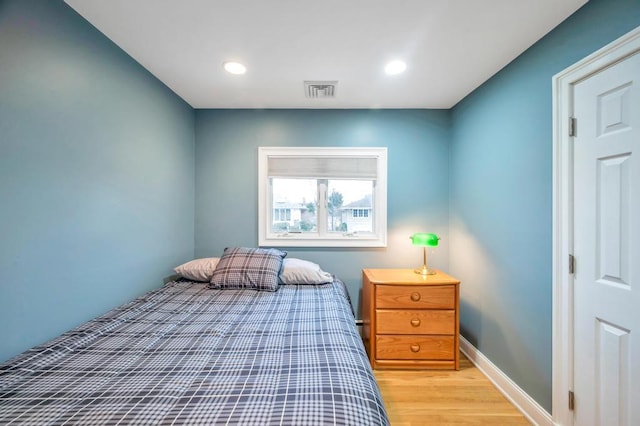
<point x="425" y="240"/>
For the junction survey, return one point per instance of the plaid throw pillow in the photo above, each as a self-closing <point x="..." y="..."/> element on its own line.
<point x="255" y="268"/>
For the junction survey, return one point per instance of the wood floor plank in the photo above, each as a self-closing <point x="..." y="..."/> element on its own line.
<point x="436" y="397"/>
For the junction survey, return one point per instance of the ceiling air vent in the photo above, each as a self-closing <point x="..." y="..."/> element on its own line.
<point x="320" y="89"/>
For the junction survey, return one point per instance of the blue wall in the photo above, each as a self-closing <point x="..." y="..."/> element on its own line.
<point x="501" y="197"/>
<point x="96" y="174"/>
<point x="227" y="144"/>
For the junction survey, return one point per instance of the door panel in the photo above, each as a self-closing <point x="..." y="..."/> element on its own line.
<point x="612" y="219"/>
<point x="606" y="246"/>
<point x="613" y="372"/>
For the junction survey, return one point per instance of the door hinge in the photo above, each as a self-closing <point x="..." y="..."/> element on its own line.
<point x="572" y="264"/>
<point x="572" y="401"/>
<point x="573" y="126"/>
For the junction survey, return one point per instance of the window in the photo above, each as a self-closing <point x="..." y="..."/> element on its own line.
<point x="282" y="214"/>
<point x="360" y="213"/>
<point x="322" y="197"/>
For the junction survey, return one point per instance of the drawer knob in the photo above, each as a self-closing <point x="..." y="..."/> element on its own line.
<point x="415" y="296"/>
<point x="415" y="322"/>
<point x="415" y="348"/>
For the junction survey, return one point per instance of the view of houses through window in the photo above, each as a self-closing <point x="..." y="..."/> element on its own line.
<point x="348" y="205"/>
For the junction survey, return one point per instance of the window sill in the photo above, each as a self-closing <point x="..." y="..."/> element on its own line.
<point x="293" y="240"/>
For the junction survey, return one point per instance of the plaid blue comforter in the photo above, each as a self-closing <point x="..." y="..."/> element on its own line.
<point x="187" y="354"/>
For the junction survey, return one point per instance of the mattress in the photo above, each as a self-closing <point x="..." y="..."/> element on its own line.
<point x="187" y="354"/>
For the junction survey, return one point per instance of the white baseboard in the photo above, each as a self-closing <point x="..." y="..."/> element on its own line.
<point x="522" y="401"/>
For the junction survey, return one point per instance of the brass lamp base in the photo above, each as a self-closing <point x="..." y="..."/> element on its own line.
<point x="424" y="271"/>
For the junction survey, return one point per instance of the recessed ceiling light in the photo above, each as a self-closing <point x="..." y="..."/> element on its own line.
<point x="395" y="67"/>
<point x="234" y="67"/>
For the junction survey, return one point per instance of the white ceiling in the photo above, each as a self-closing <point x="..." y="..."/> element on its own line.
<point x="450" y="46"/>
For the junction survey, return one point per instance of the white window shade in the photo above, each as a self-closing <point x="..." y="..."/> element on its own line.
<point x="323" y="167"/>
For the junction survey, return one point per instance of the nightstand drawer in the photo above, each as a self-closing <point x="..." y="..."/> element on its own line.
<point x="414" y="347"/>
<point x="416" y="297"/>
<point x="393" y="321"/>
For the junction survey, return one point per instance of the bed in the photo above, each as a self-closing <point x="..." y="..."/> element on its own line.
<point x="190" y="354"/>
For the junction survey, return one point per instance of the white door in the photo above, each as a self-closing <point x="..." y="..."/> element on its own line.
<point x="607" y="246"/>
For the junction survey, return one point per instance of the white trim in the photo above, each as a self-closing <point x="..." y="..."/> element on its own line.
<point x="519" y="398"/>
<point x="377" y="238"/>
<point x="563" y="83"/>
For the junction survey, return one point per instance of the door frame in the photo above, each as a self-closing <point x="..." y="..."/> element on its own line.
<point x="562" y="279"/>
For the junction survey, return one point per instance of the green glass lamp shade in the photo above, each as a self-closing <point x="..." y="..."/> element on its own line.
<point x="425" y="240"/>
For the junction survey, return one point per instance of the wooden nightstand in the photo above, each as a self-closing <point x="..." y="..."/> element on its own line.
<point x="410" y="321"/>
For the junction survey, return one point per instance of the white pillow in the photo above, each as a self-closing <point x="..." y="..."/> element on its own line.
<point x="198" y="269"/>
<point x="298" y="271"/>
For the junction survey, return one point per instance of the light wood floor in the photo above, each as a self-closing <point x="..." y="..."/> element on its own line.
<point x="464" y="397"/>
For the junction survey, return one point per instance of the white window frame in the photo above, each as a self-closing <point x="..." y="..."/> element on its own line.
<point x="377" y="238"/>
